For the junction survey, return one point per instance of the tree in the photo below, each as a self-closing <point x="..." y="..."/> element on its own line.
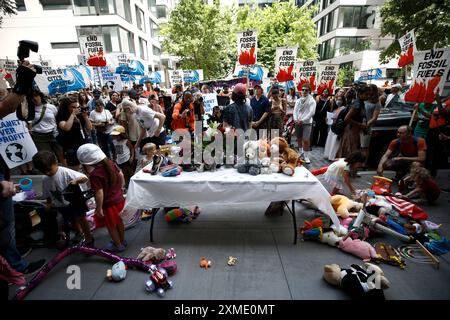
<point x="346" y="76"/>
<point x="282" y="24"/>
<point x="7" y="7"/>
<point x="202" y="36"/>
<point x="429" y="19"/>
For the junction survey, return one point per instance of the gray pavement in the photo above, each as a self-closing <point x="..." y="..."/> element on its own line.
<point x="269" y="266"/>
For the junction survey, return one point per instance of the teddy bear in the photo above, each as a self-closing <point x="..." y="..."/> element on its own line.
<point x="288" y="158"/>
<point x="330" y="238"/>
<point x="152" y="254"/>
<point x="264" y="156"/>
<point x="251" y="163"/>
<point x="366" y="283"/>
<point x="343" y="205"/>
<point x="359" y="248"/>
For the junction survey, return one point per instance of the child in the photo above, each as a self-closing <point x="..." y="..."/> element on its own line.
<point x="149" y="150"/>
<point x="426" y="187"/>
<point x="107" y="182"/>
<point x="339" y="172"/>
<point x="124" y="155"/>
<point x="57" y="180"/>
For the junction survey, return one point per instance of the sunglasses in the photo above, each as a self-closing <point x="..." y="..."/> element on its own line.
<point x="305" y="90"/>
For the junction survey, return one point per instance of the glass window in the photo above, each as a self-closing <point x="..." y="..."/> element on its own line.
<point x="83" y="7"/>
<point x="131" y="42"/>
<point x="123" y="36"/>
<point x="20" y="5"/>
<point x="65" y="45"/>
<point x="156" y="51"/>
<point x="143" y="48"/>
<point x="124" y="9"/>
<point x="330" y="21"/>
<point x="106" y="7"/>
<point x="56" y="4"/>
<point x="354" y="17"/>
<point x="154" y="29"/>
<point x="161" y="12"/>
<point x="140" y="19"/>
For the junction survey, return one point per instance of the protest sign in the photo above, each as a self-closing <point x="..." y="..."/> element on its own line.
<point x="82" y="59"/>
<point x="326" y="77"/>
<point x="192" y="76"/>
<point x="408" y="49"/>
<point x="368" y="75"/>
<point x="176" y="77"/>
<point x="247" y="44"/>
<point x="16" y="145"/>
<point x="61" y="80"/>
<point x="284" y="63"/>
<point x="9" y="69"/>
<point x="256" y="72"/>
<point x="305" y="72"/>
<point x="430" y="71"/>
<point x="154" y="77"/>
<point x="114" y="83"/>
<point x="209" y="101"/>
<point x="92" y="46"/>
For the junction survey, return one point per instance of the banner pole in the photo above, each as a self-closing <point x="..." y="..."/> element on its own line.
<point x="248" y="72"/>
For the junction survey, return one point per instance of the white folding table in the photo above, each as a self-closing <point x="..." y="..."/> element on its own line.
<point x="225" y="187"/>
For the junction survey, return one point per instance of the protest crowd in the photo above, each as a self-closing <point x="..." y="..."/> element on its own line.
<point x="102" y="137"/>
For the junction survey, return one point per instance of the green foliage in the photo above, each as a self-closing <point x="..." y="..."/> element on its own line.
<point x="430" y="20"/>
<point x="282" y="24"/>
<point x="202" y="36"/>
<point x="345" y="76"/>
<point x="7" y="7"/>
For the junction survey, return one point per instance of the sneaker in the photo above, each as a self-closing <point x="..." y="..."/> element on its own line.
<point x="111" y="247"/>
<point x="157" y="160"/>
<point x="306" y="159"/>
<point x="24" y="251"/>
<point x="34" y="266"/>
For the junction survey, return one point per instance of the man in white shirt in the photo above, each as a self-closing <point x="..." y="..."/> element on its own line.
<point x="393" y="98"/>
<point x="304" y="110"/>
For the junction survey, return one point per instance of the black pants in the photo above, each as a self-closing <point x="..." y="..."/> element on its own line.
<point x="158" y="141"/>
<point x="4" y="290"/>
<point x="320" y="133"/>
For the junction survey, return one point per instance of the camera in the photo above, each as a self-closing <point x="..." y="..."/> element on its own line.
<point x="23" y="51"/>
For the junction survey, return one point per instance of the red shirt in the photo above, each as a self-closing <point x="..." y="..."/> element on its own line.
<point x="409" y="148"/>
<point x="430" y="189"/>
<point x="112" y="194"/>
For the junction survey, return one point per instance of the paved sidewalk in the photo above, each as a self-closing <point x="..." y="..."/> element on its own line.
<point x="269" y="266"/>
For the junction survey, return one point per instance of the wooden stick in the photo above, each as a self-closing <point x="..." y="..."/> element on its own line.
<point x="412" y="117"/>
<point x="436" y="261"/>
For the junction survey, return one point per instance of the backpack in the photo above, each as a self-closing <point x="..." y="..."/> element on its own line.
<point x="339" y="124"/>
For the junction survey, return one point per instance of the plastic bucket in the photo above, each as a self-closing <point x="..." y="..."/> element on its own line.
<point x="26" y="184"/>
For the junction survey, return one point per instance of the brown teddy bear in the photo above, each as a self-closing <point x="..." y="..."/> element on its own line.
<point x="289" y="158"/>
<point x="152" y="254"/>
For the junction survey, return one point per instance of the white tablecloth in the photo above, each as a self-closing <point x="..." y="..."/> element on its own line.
<point x="224" y="187"/>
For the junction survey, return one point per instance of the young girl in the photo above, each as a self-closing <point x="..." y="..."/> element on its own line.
<point x="426" y="187"/>
<point x="338" y="173"/>
<point x="124" y="153"/>
<point x="107" y="182"/>
<point x="149" y="150"/>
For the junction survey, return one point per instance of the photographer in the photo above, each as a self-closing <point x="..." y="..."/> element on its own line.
<point x="183" y="116"/>
<point x="74" y="128"/>
<point x="25" y="74"/>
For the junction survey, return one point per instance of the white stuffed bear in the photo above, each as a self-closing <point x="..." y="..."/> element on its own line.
<point x="330" y="238"/>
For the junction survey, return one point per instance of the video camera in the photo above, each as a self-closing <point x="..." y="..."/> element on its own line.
<point x="23" y="51"/>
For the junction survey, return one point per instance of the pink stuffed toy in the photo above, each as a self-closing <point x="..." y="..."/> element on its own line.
<point x="346" y="221"/>
<point x="358" y="248"/>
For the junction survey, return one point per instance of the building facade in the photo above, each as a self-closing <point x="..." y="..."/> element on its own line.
<point x="128" y="26"/>
<point x="349" y="34"/>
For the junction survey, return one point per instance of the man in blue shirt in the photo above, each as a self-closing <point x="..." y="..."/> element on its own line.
<point x="261" y="110"/>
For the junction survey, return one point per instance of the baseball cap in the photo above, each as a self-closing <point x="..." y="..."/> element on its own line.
<point x="240" y="88"/>
<point x="90" y="154"/>
<point x="117" y="130"/>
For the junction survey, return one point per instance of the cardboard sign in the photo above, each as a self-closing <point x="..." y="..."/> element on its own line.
<point x="8" y="69"/>
<point x="61" y="80"/>
<point x="16" y="145"/>
<point x="247" y="44"/>
<point x="284" y="63"/>
<point x="430" y="71"/>
<point x="92" y="46"/>
<point x="326" y="77"/>
<point x="192" y="76"/>
<point x="176" y="77"/>
<point x="306" y="72"/>
<point x="368" y="75"/>
<point x="408" y="49"/>
<point x="82" y="59"/>
<point x="209" y="101"/>
<point x="114" y="83"/>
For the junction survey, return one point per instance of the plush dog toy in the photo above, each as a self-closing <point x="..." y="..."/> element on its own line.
<point x="289" y="157"/>
<point x="252" y="164"/>
<point x="359" y="248"/>
<point x="152" y="254"/>
<point x="366" y="283"/>
<point x="343" y="206"/>
<point x="264" y="156"/>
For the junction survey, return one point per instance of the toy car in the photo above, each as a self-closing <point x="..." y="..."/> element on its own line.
<point x="158" y="281"/>
<point x="381" y="185"/>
